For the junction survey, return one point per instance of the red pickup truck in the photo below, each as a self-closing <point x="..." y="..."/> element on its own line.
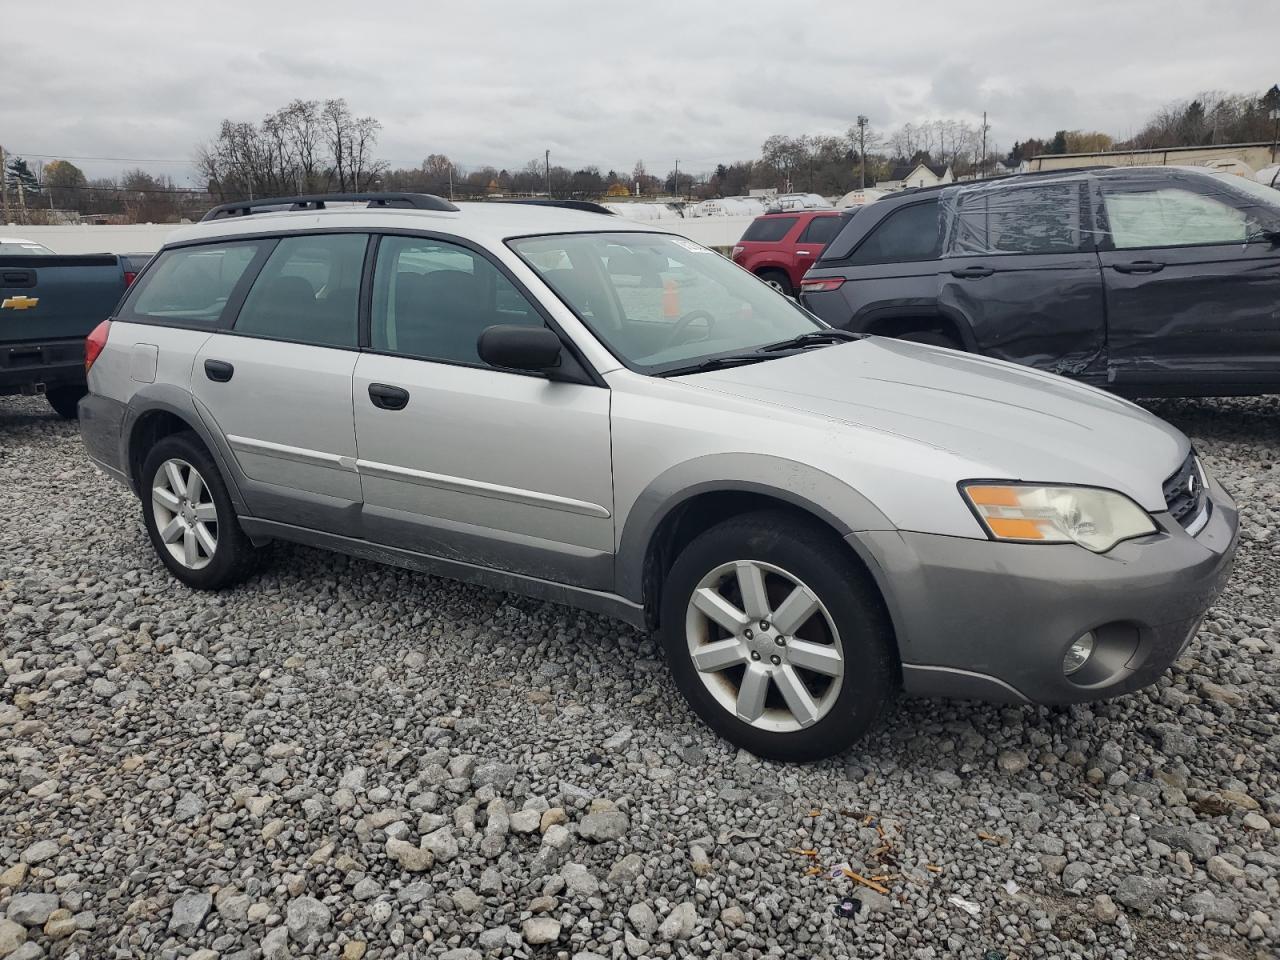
<point x="779" y="247"/>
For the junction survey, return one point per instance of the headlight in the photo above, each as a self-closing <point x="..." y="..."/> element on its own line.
<point x="1025" y="513"/>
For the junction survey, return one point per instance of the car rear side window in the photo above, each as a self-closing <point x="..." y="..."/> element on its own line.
<point x="433" y="299"/>
<point x="820" y="230"/>
<point x="1046" y="218"/>
<point x="308" y="291"/>
<point x="910" y="233"/>
<point x="190" y="285"/>
<point x="769" y="229"/>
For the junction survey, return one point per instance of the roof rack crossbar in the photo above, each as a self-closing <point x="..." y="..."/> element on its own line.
<point x="317" y="201"/>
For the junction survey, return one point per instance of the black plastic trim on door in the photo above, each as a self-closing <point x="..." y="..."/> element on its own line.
<point x="387" y="397"/>
<point x="218" y="370"/>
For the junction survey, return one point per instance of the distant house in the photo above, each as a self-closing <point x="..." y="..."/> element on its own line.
<point x="920" y="175"/>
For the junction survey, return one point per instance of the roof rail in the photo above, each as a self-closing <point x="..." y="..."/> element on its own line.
<point x="586" y="206"/>
<point x="317" y="201"/>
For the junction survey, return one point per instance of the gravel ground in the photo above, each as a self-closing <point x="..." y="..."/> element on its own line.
<point x="343" y="759"/>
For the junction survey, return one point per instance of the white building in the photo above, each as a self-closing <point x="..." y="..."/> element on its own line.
<point x="921" y="175"/>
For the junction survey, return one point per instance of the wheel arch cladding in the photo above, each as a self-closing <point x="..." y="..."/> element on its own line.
<point x="161" y="411"/>
<point x="693" y="496"/>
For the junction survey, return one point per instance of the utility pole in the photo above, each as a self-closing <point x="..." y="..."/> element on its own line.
<point x="450" y="179"/>
<point x="547" y="167"/>
<point x="676" y="185"/>
<point x="862" y="151"/>
<point x="4" y="187"/>
<point x="982" y="169"/>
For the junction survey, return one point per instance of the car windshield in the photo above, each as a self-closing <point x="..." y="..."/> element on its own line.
<point x="662" y="303"/>
<point x="23" y="248"/>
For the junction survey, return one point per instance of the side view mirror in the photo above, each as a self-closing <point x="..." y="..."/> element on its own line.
<point x="519" y="348"/>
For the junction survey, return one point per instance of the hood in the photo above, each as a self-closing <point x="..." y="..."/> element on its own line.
<point x="1021" y="423"/>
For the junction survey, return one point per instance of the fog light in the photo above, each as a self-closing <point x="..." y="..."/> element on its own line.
<point x="1078" y="654"/>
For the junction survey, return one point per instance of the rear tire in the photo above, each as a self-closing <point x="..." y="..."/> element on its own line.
<point x="933" y="338"/>
<point x="65" y="400"/>
<point x="779" y="281"/>
<point x="190" y="518"/>
<point x="812" y="615"/>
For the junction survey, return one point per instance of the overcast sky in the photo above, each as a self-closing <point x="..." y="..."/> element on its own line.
<point x="497" y="83"/>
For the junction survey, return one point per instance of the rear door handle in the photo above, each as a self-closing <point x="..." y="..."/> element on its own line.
<point x="803" y="253"/>
<point x="218" y="370"/>
<point x="972" y="273"/>
<point x="1138" y="266"/>
<point x="387" y="397"/>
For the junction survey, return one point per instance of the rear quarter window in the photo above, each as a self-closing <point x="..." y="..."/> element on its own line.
<point x="190" y="285"/>
<point x="909" y="233"/>
<point x="769" y="229"/>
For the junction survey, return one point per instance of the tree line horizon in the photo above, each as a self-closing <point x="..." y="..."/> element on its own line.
<point x="314" y="146"/>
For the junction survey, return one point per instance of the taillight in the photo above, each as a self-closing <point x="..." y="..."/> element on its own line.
<point x="94" y="343"/>
<point x="821" y="284"/>
<point x="129" y="277"/>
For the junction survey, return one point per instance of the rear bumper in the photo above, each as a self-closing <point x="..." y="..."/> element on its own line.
<point x="992" y="621"/>
<point x="101" y="429"/>
<point x="28" y="365"/>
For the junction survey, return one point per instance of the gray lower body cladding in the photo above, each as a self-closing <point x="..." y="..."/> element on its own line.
<point x="992" y="621"/>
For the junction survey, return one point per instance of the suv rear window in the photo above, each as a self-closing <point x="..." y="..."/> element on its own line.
<point x="769" y="229"/>
<point x="308" y="291"/>
<point x="190" y="285"/>
<point x="910" y="233"/>
<point x="821" y="230"/>
<point x="1045" y="218"/>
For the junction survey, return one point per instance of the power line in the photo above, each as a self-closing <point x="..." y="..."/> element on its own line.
<point x="63" y="156"/>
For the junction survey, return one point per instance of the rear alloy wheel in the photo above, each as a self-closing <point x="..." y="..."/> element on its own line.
<point x="779" y="281"/>
<point x="190" y="517"/>
<point x="185" y="514"/>
<point x="778" y="640"/>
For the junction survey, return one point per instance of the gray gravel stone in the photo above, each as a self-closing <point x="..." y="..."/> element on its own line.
<point x="268" y="744"/>
<point x="189" y="911"/>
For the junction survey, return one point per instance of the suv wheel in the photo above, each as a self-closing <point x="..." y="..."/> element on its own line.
<point x="65" y="400"/>
<point x="776" y="638"/>
<point x="778" y="280"/>
<point x="190" y="518"/>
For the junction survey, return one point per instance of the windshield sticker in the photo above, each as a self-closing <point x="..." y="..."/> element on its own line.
<point x="690" y="245"/>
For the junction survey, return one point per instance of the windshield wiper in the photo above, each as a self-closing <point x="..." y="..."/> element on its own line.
<point x="812" y="338"/>
<point x="717" y="363"/>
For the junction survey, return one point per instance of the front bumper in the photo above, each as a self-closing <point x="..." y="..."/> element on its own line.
<point x="992" y="621"/>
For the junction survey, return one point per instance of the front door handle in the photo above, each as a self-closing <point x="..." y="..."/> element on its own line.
<point x="387" y="397"/>
<point x="218" y="370"/>
<point x="972" y="273"/>
<point x="1139" y="266"/>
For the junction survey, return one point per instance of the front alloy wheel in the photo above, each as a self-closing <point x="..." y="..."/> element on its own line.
<point x="764" y="646"/>
<point x="185" y="515"/>
<point x="777" y="636"/>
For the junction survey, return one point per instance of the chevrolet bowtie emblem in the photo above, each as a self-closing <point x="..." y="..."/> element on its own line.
<point x="18" y="303"/>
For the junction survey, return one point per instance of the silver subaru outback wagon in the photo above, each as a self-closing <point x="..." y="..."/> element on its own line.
<point x="592" y="411"/>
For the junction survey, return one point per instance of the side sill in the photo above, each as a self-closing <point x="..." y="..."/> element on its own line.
<point x="595" y="601"/>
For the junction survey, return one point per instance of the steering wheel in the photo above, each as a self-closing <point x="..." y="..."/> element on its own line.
<point x="686" y="321"/>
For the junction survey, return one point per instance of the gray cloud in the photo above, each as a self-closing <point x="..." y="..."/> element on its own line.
<point x="500" y="82"/>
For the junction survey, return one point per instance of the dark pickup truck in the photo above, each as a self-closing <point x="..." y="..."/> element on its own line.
<point x="48" y="305"/>
<point x="1148" y="281"/>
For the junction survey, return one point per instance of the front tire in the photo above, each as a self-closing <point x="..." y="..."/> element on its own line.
<point x="190" y="518"/>
<point x="777" y="639"/>
<point x="65" y="400"/>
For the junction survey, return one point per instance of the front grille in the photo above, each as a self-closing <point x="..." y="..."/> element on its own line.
<point x="1184" y="492"/>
